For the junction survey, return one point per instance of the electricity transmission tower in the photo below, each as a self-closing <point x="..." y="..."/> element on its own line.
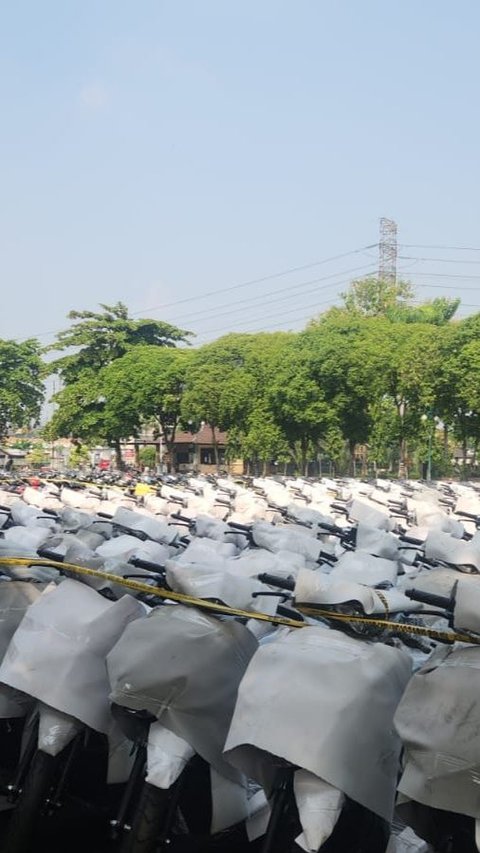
<point x="387" y="251"/>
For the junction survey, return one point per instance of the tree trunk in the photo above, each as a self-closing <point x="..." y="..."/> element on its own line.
<point x="303" y="456"/>
<point x="136" y="447"/>
<point x="402" y="462"/>
<point x="215" y="448"/>
<point x="352" y="470"/>
<point x="118" y="455"/>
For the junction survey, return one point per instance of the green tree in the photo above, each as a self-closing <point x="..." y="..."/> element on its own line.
<point x="79" y="456"/>
<point x="299" y="404"/>
<point x="219" y="388"/>
<point x="372" y="297"/>
<point x="331" y="344"/>
<point x="98" y="340"/>
<point x="145" y="386"/>
<point x="37" y="456"/>
<point x="21" y="388"/>
<point x="458" y="397"/>
<point x="79" y="411"/>
<point x="263" y="439"/>
<point x="148" y="456"/>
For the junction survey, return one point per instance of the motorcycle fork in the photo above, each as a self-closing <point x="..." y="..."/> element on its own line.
<point x="132" y="788"/>
<point x="282" y="791"/>
<point x="15" y="787"/>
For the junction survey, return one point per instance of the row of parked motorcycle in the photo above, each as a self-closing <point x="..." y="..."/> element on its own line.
<point x="272" y="666"/>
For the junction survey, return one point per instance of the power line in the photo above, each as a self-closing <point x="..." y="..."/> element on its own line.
<point x="241" y="325"/>
<point x="448" y="275"/>
<point x="440" y="248"/>
<point x="439" y="260"/>
<point x="257" y="280"/>
<point x="232" y="309"/>
<point x="446" y="287"/>
<point x="271" y="277"/>
<point x="275" y="326"/>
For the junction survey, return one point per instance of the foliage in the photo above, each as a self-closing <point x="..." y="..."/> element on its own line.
<point x="148" y="456"/>
<point x="79" y="456"/>
<point x="100" y="338"/>
<point x="372" y="297"/>
<point x="21" y="389"/>
<point x="365" y="375"/>
<point x="102" y="402"/>
<point x="146" y="385"/>
<point x="37" y="456"/>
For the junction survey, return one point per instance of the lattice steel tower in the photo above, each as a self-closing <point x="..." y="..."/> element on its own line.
<point x="387" y="251"/>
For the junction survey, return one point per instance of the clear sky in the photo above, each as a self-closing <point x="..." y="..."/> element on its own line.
<point x="153" y="152"/>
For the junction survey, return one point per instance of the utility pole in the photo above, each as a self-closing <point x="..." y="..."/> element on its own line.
<point x="387" y="251"/>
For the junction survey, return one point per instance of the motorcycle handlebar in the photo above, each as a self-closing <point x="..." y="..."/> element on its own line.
<point x="275" y="580"/>
<point x="429" y="598"/>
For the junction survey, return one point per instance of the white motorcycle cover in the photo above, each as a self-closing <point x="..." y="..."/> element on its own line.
<point x="15" y="599"/>
<point x="437" y="720"/>
<point x="325" y="703"/>
<point x="57" y="653"/>
<point x="442" y="546"/>
<point x="184" y="667"/>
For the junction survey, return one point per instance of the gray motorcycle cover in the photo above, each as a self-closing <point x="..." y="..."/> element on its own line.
<point x="184" y="667"/>
<point x="324" y="702"/>
<point x="438" y="720"/>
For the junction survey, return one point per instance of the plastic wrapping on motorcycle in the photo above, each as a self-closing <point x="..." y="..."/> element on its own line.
<point x="377" y="542"/>
<point x="278" y="539"/>
<point x="363" y="568"/>
<point x="319" y="807"/>
<point x="408" y="842"/>
<point x="229" y="801"/>
<point x="442" y="546"/>
<point x="79" y="500"/>
<point x="184" y="667"/>
<point x="200" y="550"/>
<point x="204" y="580"/>
<point x="361" y="511"/>
<point x="41" y="499"/>
<point x="30" y="516"/>
<point x="157" y="530"/>
<point x="57" y="653"/>
<point x="333" y="699"/>
<point x="16" y="598"/>
<point x="438" y="722"/>
<point x="466" y="614"/>
<point x="167" y="756"/>
<point x="217" y="531"/>
<point x="55" y="730"/>
<point x="283" y="563"/>
<point x="22" y="540"/>
<point x="437" y="581"/>
<point x="73" y="520"/>
<point x="317" y="588"/>
<point x="435" y="518"/>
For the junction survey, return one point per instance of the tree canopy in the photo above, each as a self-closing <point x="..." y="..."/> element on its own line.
<point x="100" y="338"/>
<point x="21" y="388"/>
<point x="369" y="376"/>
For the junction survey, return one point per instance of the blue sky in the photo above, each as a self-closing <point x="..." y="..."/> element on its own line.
<point x="153" y="152"/>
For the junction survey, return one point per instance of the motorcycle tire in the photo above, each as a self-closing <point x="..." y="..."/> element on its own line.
<point x="26" y="815"/>
<point x="143" y="837"/>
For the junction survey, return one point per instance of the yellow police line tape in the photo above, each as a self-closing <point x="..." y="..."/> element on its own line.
<point x="224" y="609"/>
